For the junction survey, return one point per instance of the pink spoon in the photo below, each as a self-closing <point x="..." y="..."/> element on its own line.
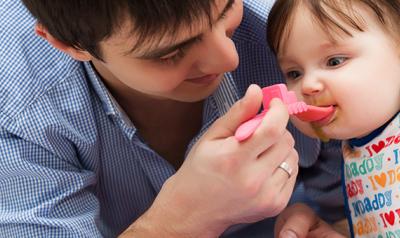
<point x="299" y="109"/>
<point x="314" y="113"/>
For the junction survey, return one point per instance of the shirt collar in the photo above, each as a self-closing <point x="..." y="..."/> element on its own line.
<point x="217" y="104"/>
<point x="109" y="104"/>
<point x="358" y="142"/>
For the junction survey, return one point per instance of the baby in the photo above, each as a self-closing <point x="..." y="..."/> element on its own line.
<point x="345" y="53"/>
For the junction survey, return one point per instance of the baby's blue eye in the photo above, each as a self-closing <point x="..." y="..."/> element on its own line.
<point x="335" y="61"/>
<point x="293" y="75"/>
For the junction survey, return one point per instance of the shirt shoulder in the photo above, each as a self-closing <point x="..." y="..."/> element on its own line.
<point x="29" y="67"/>
<point x="254" y="23"/>
<point x="258" y="63"/>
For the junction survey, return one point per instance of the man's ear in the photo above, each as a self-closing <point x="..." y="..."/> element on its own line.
<point x="77" y="54"/>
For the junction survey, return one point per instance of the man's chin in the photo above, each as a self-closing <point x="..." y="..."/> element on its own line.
<point x="197" y="95"/>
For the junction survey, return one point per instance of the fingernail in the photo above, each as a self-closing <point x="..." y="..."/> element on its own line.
<point x="248" y="89"/>
<point x="288" y="234"/>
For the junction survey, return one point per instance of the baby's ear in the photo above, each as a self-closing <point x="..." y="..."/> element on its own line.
<point x="77" y="54"/>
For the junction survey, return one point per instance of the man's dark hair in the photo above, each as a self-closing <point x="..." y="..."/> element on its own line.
<point x="82" y="24"/>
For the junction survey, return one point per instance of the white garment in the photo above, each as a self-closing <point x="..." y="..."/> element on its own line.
<point x="372" y="183"/>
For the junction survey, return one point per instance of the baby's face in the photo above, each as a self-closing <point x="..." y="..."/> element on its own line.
<point x="359" y="75"/>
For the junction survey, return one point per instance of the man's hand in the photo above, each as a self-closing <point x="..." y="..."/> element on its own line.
<point x="300" y="221"/>
<point x="224" y="182"/>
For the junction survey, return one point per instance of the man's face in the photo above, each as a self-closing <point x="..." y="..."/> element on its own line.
<point x="188" y="73"/>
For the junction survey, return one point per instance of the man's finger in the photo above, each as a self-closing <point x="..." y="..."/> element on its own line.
<point x="323" y="230"/>
<point x="241" y="111"/>
<point x="297" y="224"/>
<point x="271" y="129"/>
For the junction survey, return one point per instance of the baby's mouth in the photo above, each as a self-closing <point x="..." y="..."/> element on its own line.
<point x="327" y="118"/>
<point x="316" y="113"/>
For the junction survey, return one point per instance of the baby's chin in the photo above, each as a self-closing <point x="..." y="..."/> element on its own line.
<point x="322" y="133"/>
<point x="315" y="132"/>
<point x="312" y="131"/>
<point x="305" y="128"/>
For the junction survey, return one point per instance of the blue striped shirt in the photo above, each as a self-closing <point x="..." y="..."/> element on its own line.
<point x="72" y="163"/>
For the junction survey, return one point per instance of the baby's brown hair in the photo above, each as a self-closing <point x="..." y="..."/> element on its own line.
<point x="326" y="14"/>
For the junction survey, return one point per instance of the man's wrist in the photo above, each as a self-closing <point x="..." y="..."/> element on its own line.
<point x="170" y="217"/>
<point x="147" y="227"/>
<point x="153" y="224"/>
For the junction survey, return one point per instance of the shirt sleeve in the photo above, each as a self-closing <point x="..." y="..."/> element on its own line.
<point x="43" y="195"/>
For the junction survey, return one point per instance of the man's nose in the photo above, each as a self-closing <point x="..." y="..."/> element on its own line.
<point x="218" y="54"/>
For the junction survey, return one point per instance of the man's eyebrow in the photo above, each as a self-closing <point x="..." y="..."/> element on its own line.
<point x="157" y="53"/>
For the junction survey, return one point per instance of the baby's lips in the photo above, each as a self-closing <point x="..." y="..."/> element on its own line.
<point x="314" y="113"/>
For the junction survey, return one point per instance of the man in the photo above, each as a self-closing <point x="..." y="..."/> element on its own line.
<point x="109" y="122"/>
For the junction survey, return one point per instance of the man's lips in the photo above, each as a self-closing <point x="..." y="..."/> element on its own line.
<point x="204" y="79"/>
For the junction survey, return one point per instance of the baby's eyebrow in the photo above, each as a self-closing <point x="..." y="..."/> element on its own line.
<point x="327" y="45"/>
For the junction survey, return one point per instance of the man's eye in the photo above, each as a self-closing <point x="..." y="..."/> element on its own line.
<point x="173" y="59"/>
<point x="293" y="75"/>
<point x="335" y="61"/>
<point x="176" y="56"/>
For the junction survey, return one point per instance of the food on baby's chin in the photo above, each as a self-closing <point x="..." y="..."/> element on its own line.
<point x="320" y="134"/>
